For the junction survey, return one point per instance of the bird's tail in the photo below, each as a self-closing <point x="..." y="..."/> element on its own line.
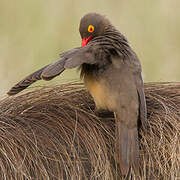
<point x="127" y="148"/>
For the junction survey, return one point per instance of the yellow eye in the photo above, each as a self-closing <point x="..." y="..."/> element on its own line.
<point x="90" y="28"/>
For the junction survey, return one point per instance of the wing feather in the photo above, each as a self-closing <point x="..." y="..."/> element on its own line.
<point x="69" y="59"/>
<point x="27" y="81"/>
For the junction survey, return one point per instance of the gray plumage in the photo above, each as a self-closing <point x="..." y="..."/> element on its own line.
<point x="112" y="73"/>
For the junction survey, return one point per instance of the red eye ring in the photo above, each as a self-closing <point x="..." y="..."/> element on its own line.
<point x="90" y="28"/>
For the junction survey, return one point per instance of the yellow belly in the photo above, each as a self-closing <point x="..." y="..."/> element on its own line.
<point x="98" y="91"/>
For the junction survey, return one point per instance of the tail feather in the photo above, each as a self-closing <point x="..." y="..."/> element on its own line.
<point x="127" y="148"/>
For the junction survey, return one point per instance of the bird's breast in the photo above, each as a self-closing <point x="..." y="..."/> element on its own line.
<point x="99" y="92"/>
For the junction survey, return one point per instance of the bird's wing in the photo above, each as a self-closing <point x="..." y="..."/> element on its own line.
<point x="137" y="74"/>
<point x="68" y="60"/>
<point x="27" y="81"/>
<point x="83" y="55"/>
<point x="142" y="100"/>
<point x="53" y="69"/>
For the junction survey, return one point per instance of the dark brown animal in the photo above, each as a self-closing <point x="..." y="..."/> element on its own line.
<point x="53" y="133"/>
<point x="112" y="73"/>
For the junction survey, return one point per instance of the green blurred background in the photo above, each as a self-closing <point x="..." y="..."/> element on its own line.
<point x="34" y="32"/>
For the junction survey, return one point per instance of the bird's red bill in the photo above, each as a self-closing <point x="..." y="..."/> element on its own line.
<point x="85" y="41"/>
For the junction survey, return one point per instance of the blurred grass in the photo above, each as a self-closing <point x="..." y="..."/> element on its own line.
<point x="33" y="33"/>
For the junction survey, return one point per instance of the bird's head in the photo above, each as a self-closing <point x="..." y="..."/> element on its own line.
<point x="92" y="25"/>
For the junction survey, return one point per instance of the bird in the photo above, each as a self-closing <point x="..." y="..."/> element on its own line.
<point x="112" y="73"/>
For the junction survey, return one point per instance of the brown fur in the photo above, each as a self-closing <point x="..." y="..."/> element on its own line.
<point x="53" y="133"/>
